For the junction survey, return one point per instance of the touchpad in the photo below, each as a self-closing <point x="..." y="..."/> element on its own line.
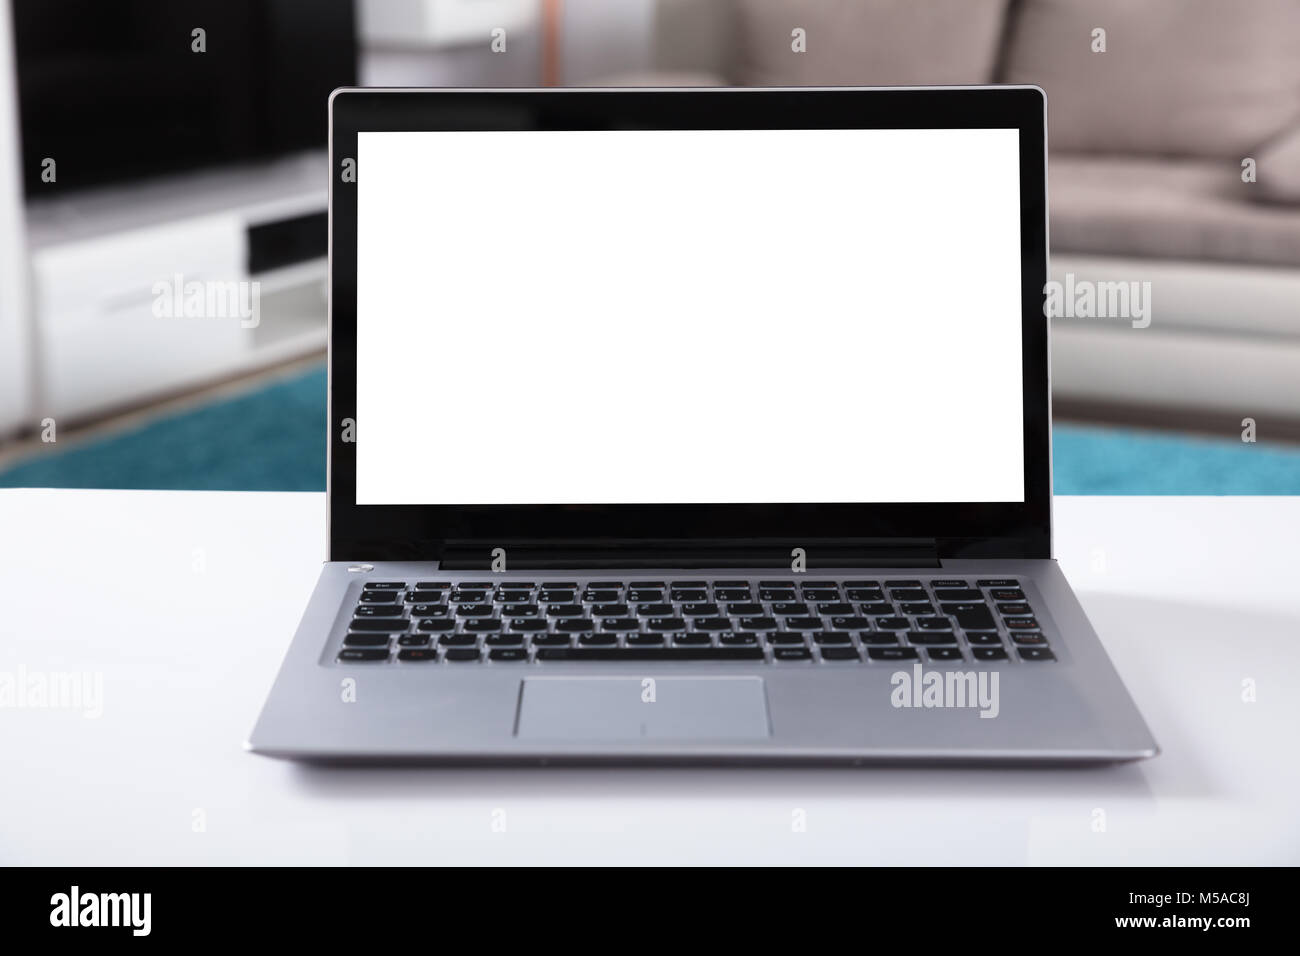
<point x="628" y="708"/>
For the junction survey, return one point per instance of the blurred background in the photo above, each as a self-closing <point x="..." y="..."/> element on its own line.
<point x="147" y="144"/>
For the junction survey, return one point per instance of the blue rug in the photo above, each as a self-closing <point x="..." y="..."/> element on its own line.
<point x="272" y="439"/>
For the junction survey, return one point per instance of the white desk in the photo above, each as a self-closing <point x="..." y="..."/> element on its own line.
<point x="185" y="601"/>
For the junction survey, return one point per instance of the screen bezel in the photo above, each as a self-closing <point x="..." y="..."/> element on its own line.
<point x="422" y="532"/>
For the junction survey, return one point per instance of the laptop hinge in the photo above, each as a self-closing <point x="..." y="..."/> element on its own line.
<point x="578" y="555"/>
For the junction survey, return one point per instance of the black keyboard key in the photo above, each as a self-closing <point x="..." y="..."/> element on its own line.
<point x="556" y="597"/>
<point x="776" y="594"/>
<point x="528" y="624"/>
<point x="777" y="584"/>
<point x="909" y="594"/>
<point x="651" y="585"/>
<point x="833" y="637"/>
<point x="379" y="597"/>
<point x="644" y="640"/>
<point x="989" y="653"/>
<point x="687" y="594"/>
<point x="789" y="607"/>
<point x="481" y="625"/>
<point x="664" y="624"/>
<point x="862" y="584"/>
<point x="692" y="639"/>
<point x="689" y="585"/>
<point x="998" y="583"/>
<point x="1008" y="594"/>
<point x="835" y="608"/>
<point x="1036" y="654"/>
<point x="432" y="585"/>
<point x="642" y="595"/>
<point x="759" y="623"/>
<point x="712" y="624"/>
<point x="840" y="654"/>
<point x="650" y="654"/>
<point x="738" y="639"/>
<point x="366" y="640"/>
<point x="731" y="584"/>
<point x="745" y="609"/>
<point x="560" y="585"/>
<point x="792" y="654"/>
<point x="785" y="637"/>
<point x="803" y="623"/>
<point x="413" y="640"/>
<point x="384" y="586"/>
<point x="417" y="654"/>
<point x="1021" y="623"/>
<point x="916" y="608"/>
<point x="976" y="638"/>
<point x="1011" y="608"/>
<point x="877" y="638"/>
<point x="877" y="609"/>
<point x="892" y="653"/>
<point x="864" y="594"/>
<point x="1028" y="637"/>
<point x="508" y="654"/>
<point x="948" y="583"/>
<point x="598" y="640"/>
<point x="436" y="624"/>
<point x="385" y="624"/>
<point x="504" y="640"/>
<point x="387" y="610"/>
<point x="521" y="610"/>
<point x="458" y="640"/>
<point x="551" y="640"/>
<point x="351" y="654"/>
<point x="574" y="625"/>
<point x="903" y="584"/>
<point x="892" y="623"/>
<point x="467" y="597"/>
<point x="932" y="637"/>
<point x="600" y="597"/>
<point x="655" y="610"/>
<point x="463" y="654"/>
<point x="732" y="594"/>
<point x="971" y="617"/>
<point x="628" y="624"/>
<point x="611" y="610"/>
<point x="700" y="609"/>
<point x="851" y="623"/>
<point x="945" y="654"/>
<point x="958" y="594"/>
<point x="821" y="594"/>
<point x="933" y="624"/>
<point x="474" y="610"/>
<point x="564" y="610"/>
<point x="429" y="610"/>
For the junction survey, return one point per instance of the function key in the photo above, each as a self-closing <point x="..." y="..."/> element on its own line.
<point x="780" y="585"/>
<point x="690" y="584"/>
<point x="731" y="584"/>
<point x="998" y="583"/>
<point x="948" y="583"/>
<point x="384" y="586"/>
<point x="821" y="584"/>
<point x="431" y="585"/>
<point x="351" y="654"/>
<point x="903" y="584"/>
<point x="862" y="584"/>
<point x="647" y="585"/>
<point x="560" y="585"/>
<point x="1008" y="594"/>
<point x="476" y="585"/>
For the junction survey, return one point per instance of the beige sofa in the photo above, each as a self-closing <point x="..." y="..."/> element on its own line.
<point x="1147" y="143"/>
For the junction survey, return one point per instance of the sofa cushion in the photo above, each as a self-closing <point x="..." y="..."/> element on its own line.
<point x="1166" y="209"/>
<point x="867" y="42"/>
<point x="1278" y="170"/>
<point x="1179" y="77"/>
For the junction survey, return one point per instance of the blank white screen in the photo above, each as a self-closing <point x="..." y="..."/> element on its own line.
<point x="567" y="317"/>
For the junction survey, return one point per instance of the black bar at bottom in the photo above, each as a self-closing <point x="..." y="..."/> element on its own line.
<point x="650" y="654"/>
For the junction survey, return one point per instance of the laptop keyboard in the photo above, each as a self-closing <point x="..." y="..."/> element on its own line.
<point x="778" y="621"/>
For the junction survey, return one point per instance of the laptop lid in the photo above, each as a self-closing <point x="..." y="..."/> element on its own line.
<point x="713" y="321"/>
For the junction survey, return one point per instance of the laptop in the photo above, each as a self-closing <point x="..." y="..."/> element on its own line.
<point x="692" y="426"/>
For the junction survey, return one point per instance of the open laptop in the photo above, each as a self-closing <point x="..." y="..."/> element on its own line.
<point x="692" y="425"/>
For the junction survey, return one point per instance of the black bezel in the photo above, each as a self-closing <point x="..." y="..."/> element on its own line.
<point x="420" y="532"/>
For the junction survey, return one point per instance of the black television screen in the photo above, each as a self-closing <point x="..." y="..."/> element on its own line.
<point x="116" y="89"/>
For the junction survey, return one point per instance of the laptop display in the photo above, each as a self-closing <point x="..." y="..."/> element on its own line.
<point x="689" y="316"/>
